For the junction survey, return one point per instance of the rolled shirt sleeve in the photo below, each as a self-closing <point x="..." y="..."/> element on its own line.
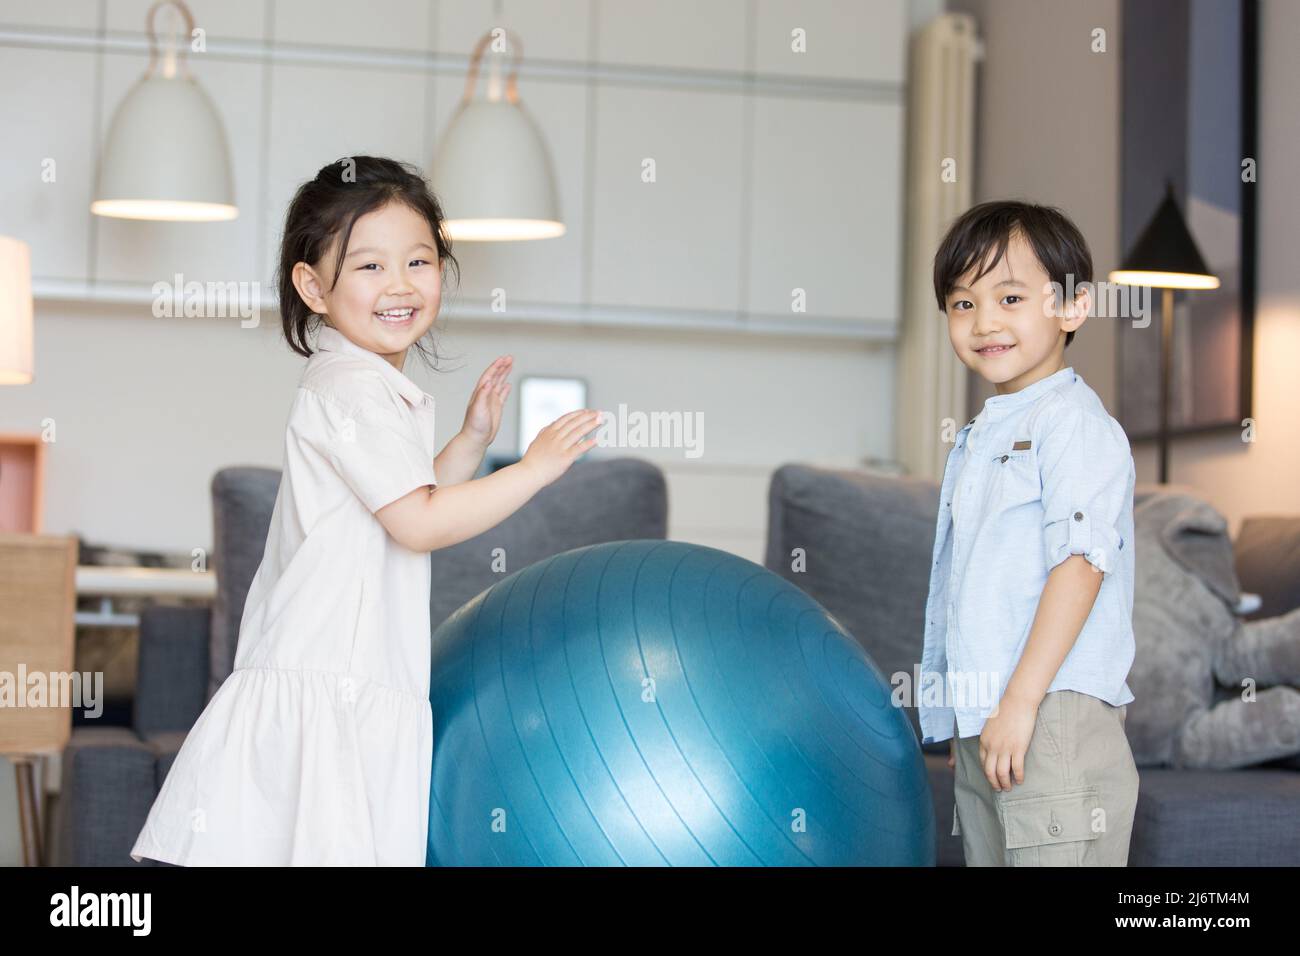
<point x="1084" y="462"/>
<point x="378" y="455"/>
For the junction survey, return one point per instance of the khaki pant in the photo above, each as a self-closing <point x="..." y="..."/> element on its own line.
<point x="1076" y="805"/>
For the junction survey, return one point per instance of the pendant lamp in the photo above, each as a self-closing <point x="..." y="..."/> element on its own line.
<point x="15" y="312"/>
<point x="166" y="156"/>
<point x="492" y="171"/>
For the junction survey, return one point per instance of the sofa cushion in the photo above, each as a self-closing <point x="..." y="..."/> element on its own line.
<point x="1216" y="818"/>
<point x="1267" y="553"/>
<point x="243" y="500"/>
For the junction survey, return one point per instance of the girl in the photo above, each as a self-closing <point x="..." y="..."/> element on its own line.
<point x="317" y="748"/>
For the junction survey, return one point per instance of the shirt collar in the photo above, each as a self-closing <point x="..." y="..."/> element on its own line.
<point x="330" y="339"/>
<point x="997" y="406"/>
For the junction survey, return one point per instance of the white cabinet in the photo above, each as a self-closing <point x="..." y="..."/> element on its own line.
<point x="47" y="167"/>
<point x="679" y="34"/>
<point x="846" y="39"/>
<point x="674" y="243"/>
<point x="826" y="205"/>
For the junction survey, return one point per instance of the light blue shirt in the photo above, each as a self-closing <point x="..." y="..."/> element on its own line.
<point x="1040" y="474"/>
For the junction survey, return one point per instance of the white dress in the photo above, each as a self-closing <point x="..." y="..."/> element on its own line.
<point x="316" y="750"/>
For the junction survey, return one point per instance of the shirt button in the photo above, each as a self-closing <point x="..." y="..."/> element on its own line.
<point x="1078" y="516"/>
<point x="1054" y="829"/>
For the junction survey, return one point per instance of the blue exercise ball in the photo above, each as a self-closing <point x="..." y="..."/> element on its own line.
<point x="653" y="703"/>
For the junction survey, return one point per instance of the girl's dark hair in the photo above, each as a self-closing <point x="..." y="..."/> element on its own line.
<point x="1056" y="241"/>
<point x="330" y="205"/>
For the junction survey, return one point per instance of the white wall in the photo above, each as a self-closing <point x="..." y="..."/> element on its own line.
<point x="1039" y="66"/>
<point x="775" y="171"/>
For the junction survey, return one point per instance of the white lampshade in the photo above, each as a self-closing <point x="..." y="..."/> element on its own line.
<point x="15" y="312"/>
<point x="492" y="171"/>
<point x="166" y="155"/>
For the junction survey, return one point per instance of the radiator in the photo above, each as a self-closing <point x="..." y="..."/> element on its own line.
<point x="930" y="379"/>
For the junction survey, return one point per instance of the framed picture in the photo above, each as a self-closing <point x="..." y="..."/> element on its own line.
<point x="542" y="400"/>
<point x="1189" y="99"/>
<point x="22" y="483"/>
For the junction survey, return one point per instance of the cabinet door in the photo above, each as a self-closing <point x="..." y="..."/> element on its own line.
<point x="675" y="242"/>
<point x="48" y="163"/>
<point x="841" y="39"/>
<point x="674" y="34"/>
<point x="826" y="208"/>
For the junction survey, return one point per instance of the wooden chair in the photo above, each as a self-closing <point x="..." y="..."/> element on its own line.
<point x="37" y="625"/>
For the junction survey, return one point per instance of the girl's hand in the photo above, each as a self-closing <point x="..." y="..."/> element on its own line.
<point x="952" y="752"/>
<point x="483" y="416"/>
<point x="560" y="444"/>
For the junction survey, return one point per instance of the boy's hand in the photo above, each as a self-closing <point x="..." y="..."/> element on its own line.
<point x="1005" y="739"/>
<point x="952" y="751"/>
<point x="483" y="416"/>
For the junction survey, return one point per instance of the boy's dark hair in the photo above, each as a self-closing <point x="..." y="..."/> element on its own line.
<point x="330" y="205"/>
<point x="980" y="236"/>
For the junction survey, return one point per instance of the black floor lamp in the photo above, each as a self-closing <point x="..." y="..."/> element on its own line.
<point x="1165" y="257"/>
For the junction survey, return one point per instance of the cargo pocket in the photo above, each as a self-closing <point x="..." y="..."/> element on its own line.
<point x="1050" y="829"/>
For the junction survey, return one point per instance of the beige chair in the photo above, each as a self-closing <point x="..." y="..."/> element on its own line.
<point x="37" y="623"/>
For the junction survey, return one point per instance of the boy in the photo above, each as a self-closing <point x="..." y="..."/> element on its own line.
<point x="1029" y="633"/>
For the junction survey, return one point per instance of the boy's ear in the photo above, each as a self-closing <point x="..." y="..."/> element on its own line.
<point x="1077" y="311"/>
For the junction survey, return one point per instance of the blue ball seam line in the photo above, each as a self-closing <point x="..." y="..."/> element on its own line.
<point x="817" y="611"/>
<point x="586" y="723"/>
<point x="695" y="700"/>
<point x="778" y="825"/>
<point x="534" y="574"/>
<point x="600" y="643"/>
<point x="487" y="747"/>
<point x="812" y="774"/>
<point x="873" y="824"/>
<point x="645" y="669"/>
<point x="541" y="698"/>
<point x="906" y="733"/>
<point x="476" y="606"/>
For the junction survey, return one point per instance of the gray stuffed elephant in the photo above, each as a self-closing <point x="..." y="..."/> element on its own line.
<point x="1212" y="691"/>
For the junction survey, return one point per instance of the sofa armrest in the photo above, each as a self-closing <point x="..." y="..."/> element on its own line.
<point x="172" y="677"/>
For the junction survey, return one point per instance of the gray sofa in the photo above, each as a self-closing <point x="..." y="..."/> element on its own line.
<point x="111" y="775"/>
<point x="867" y="540"/>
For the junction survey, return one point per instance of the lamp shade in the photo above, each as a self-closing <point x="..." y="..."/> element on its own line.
<point x="166" y="156"/>
<point x="15" y="312"/>
<point x="492" y="170"/>
<point x="1165" y="255"/>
